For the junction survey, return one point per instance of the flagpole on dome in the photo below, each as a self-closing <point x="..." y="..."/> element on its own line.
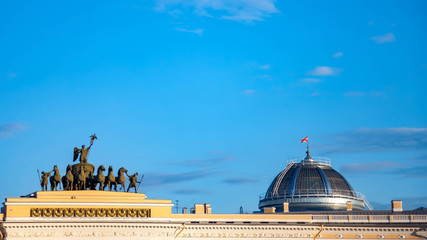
<point x="308" y="147"/>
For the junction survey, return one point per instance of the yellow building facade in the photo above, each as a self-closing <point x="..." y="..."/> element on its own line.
<point x="119" y="215"/>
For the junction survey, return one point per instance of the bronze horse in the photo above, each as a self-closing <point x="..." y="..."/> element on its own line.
<point x="81" y="179"/>
<point x="121" y="178"/>
<point x="98" y="178"/>
<point x="68" y="179"/>
<point x="55" y="179"/>
<point x="112" y="180"/>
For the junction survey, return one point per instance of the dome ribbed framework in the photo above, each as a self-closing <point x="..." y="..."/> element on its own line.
<point x="311" y="184"/>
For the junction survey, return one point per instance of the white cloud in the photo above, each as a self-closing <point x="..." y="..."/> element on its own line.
<point x="266" y="76"/>
<point x="337" y="55"/>
<point x="311" y="80"/>
<point x="12" y="75"/>
<point x="201" y="162"/>
<point x="386" y="38"/>
<point x="265" y="67"/>
<point x="248" y="92"/>
<point x="191" y="191"/>
<point x="198" y="31"/>
<point x="240" y="180"/>
<point x="377" y="93"/>
<point x="370" y="167"/>
<point x="354" y="94"/>
<point x="379" y="140"/>
<point x="7" y="130"/>
<point x="390" y="167"/>
<point x="237" y="10"/>
<point x="359" y="94"/>
<point x="157" y="179"/>
<point x="324" y="71"/>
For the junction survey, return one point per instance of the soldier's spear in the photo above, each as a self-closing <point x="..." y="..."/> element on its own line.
<point x="39" y="175"/>
<point x="139" y="183"/>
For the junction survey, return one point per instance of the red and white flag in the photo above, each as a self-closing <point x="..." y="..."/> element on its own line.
<point x="304" y="139"/>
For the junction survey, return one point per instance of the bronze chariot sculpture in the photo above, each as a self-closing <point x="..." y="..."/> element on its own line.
<point x="81" y="176"/>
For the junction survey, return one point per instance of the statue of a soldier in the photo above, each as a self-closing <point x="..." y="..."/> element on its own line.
<point x="83" y="151"/>
<point x="133" y="179"/>
<point x="45" y="180"/>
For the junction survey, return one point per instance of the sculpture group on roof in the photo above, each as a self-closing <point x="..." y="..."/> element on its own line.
<point x="81" y="176"/>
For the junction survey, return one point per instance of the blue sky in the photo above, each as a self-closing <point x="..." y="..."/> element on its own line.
<point x="209" y="99"/>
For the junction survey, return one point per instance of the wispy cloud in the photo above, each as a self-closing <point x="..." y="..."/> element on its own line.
<point x="201" y="162"/>
<point x="248" y="92"/>
<point x="386" y="38"/>
<point x="324" y="71"/>
<point x="354" y="94"/>
<point x="360" y="94"/>
<point x="386" y="167"/>
<point x="337" y="55"/>
<point x="311" y="80"/>
<point x="377" y="93"/>
<point x="237" y="10"/>
<point x="160" y="178"/>
<point x="420" y="158"/>
<point x="12" y="75"/>
<point x="266" y="76"/>
<point x="370" y="167"/>
<point x="198" y="31"/>
<point x="265" y="67"/>
<point x="235" y="180"/>
<point x="191" y="191"/>
<point x="411" y="172"/>
<point x="7" y="130"/>
<point x="378" y="140"/>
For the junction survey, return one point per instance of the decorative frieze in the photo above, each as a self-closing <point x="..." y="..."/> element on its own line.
<point x="156" y="231"/>
<point x="90" y="212"/>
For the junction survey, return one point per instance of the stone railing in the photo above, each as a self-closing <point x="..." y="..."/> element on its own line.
<point x="370" y="218"/>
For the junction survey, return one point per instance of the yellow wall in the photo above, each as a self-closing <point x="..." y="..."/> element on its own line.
<point x="20" y="207"/>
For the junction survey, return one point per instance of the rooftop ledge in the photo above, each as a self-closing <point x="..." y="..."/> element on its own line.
<point x="311" y="160"/>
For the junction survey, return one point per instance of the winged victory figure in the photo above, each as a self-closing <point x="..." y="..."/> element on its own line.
<point x="83" y="151"/>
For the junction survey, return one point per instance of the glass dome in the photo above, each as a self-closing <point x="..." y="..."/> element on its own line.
<point x="311" y="185"/>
